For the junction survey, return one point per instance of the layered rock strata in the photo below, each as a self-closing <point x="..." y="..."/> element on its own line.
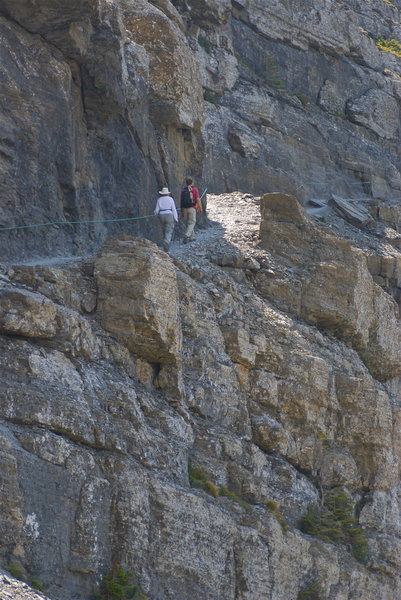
<point x="104" y="102"/>
<point x="182" y="430"/>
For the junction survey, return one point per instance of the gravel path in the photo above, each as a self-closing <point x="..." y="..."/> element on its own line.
<point x="232" y="217"/>
<point x="234" y="220"/>
<point x="234" y="223"/>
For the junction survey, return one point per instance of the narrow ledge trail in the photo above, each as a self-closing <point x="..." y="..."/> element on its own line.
<point x="234" y="219"/>
<point x="234" y="222"/>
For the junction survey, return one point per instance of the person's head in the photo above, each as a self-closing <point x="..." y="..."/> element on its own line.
<point x="164" y="192"/>
<point x="189" y="181"/>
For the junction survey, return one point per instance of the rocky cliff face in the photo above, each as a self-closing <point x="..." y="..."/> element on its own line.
<point x="179" y="417"/>
<point x="104" y="101"/>
<point x="223" y="422"/>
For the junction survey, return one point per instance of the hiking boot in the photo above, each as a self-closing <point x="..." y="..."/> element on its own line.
<point x="166" y="246"/>
<point x="185" y="240"/>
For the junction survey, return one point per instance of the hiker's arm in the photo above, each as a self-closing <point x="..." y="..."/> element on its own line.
<point x="174" y="211"/>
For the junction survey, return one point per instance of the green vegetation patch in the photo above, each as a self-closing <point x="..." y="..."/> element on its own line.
<point x="274" y="508"/>
<point x="198" y="478"/>
<point x="205" y="44"/>
<point x="120" y="585"/>
<point x="37" y="584"/>
<point x="234" y="497"/>
<point x="209" y="96"/>
<point x="336" y="522"/>
<point x="303" y="98"/>
<point x="393" y="46"/>
<point x="17" y="572"/>
<point x="272" y="73"/>
<point x="312" y="591"/>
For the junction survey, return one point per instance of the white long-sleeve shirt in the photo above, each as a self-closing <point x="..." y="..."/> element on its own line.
<point x="166" y="205"/>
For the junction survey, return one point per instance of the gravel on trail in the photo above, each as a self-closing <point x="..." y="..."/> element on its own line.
<point x="234" y="221"/>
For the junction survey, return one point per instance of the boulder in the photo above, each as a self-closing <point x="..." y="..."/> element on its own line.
<point x="27" y="313"/>
<point x="138" y="301"/>
<point x="176" y="97"/>
<point x="351" y="211"/>
<point x="338" y="293"/>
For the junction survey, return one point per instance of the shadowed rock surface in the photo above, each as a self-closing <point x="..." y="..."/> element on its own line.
<point x="103" y="103"/>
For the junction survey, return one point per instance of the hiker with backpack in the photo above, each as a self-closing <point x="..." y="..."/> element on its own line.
<point x="190" y="205"/>
<point x="167" y="213"/>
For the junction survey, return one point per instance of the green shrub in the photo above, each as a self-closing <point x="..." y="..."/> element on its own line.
<point x="335" y="522"/>
<point x="272" y="74"/>
<point x="36" y="584"/>
<point x="120" y="585"/>
<point x="312" y="591"/>
<point x="210" y="97"/>
<point x="197" y="476"/>
<point x="205" y="44"/>
<point x="234" y="497"/>
<point x="211" y="489"/>
<point x="303" y="98"/>
<point x="16" y="571"/>
<point x="274" y="508"/>
<point x="393" y="46"/>
<point x="272" y="505"/>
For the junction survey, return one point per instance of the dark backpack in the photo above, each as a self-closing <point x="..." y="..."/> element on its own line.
<point x="186" y="198"/>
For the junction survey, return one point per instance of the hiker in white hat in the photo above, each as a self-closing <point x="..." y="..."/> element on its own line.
<point x="167" y="213"/>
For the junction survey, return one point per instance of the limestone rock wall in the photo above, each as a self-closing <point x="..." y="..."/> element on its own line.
<point x="304" y="97"/>
<point x="103" y="102"/>
<point x="357" y="310"/>
<point x="88" y="130"/>
<point x="176" y="417"/>
<point x="274" y="371"/>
